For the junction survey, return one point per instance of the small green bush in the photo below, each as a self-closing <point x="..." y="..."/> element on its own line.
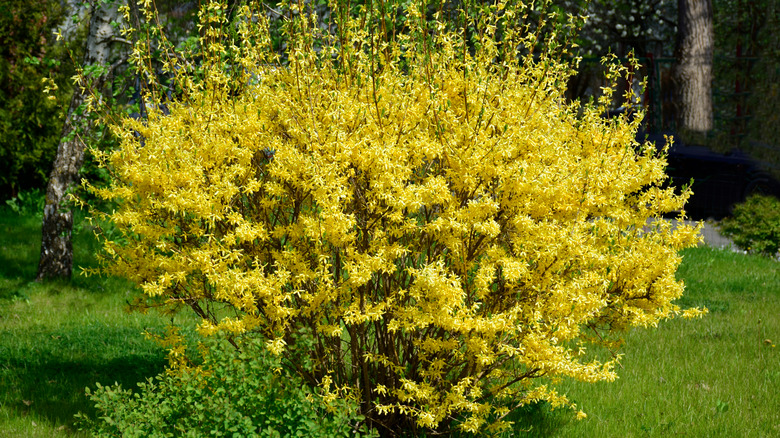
<point x="27" y="203"/>
<point x="755" y="225"/>
<point x="235" y="393"/>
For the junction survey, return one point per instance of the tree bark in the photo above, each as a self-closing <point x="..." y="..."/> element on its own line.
<point x="695" y="45"/>
<point x="76" y="13"/>
<point x="56" y="245"/>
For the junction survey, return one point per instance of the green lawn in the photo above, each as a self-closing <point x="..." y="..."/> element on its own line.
<point x="58" y="338"/>
<point x="718" y="376"/>
<point x="713" y="377"/>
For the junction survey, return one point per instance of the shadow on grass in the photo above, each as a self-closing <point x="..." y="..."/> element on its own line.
<point x="12" y="289"/>
<point x="535" y="420"/>
<point x="538" y="420"/>
<point x="20" y="246"/>
<point x="59" y="337"/>
<point x="53" y="388"/>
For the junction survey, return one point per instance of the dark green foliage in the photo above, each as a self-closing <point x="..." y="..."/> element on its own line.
<point x="755" y="225"/>
<point x="235" y="393"/>
<point x="747" y="72"/>
<point x="30" y="122"/>
<point x="27" y="203"/>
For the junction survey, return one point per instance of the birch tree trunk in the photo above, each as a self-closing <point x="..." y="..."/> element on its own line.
<point x="693" y="73"/>
<point x="56" y="245"/>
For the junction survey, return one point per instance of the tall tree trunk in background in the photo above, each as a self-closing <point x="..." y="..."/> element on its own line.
<point x="56" y="245"/>
<point x="693" y="73"/>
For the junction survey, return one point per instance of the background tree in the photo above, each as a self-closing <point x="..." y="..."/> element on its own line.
<point x="105" y="77"/>
<point x="57" y="226"/>
<point x="748" y="73"/>
<point x="623" y="26"/>
<point x="693" y="73"/>
<point x="647" y="28"/>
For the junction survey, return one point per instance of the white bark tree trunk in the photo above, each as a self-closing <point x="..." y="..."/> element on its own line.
<point x="57" y="227"/>
<point x="695" y="45"/>
<point x="76" y="12"/>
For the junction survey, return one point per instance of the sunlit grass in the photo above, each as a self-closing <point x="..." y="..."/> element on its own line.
<point x="718" y="376"/>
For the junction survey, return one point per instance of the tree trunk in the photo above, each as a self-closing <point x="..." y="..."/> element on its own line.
<point x="75" y="13"/>
<point x="695" y="44"/>
<point x="56" y="246"/>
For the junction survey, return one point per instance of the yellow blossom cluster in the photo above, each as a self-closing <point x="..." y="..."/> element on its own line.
<point x="418" y="201"/>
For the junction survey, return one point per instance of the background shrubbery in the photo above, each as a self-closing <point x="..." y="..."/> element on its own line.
<point x="28" y="202"/>
<point x="755" y="225"/>
<point x="30" y="120"/>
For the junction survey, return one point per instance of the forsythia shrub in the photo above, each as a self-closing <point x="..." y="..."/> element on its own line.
<point x="401" y="203"/>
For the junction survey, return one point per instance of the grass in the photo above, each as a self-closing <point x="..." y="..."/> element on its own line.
<point x="57" y="338"/>
<point x="718" y="376"/>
